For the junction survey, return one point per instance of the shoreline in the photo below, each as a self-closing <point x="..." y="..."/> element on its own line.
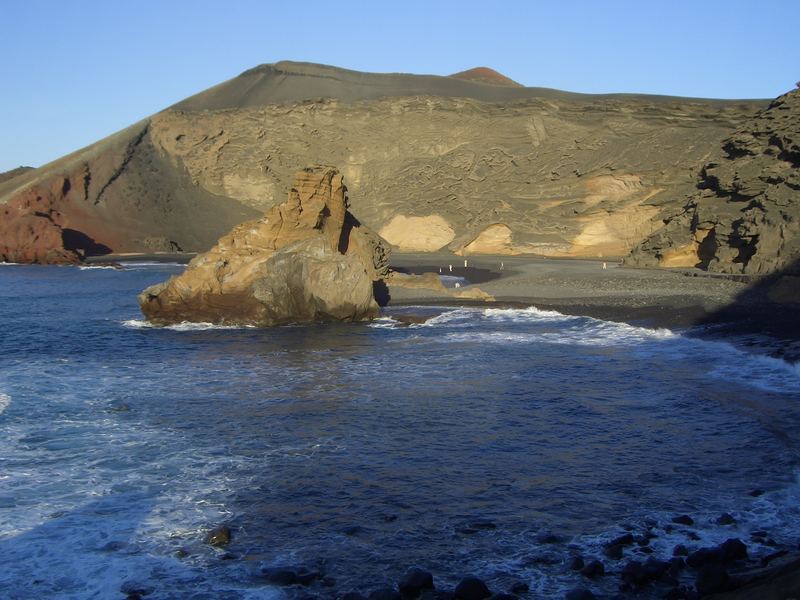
<point x="708" y="305"/>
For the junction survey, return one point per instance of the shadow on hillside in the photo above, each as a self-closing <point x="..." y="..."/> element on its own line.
<point x="80" y="242"/>
<point x="770" y="306"/>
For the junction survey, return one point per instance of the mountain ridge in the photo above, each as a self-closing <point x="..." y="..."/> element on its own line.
<point x="427" y="159"/>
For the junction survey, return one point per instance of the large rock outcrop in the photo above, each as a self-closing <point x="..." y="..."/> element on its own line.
<point x="745" y="215"/>
<point x="431" y="162"/>
<point x="305" y="260"/>
<point x="34" y="230"/>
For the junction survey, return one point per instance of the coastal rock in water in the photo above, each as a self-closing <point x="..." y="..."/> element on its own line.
<point x="221" y="536"/>
<point x="412" y="584"/>
<point x="305" y="260"/>
<point x="471" y="588"/>
<point x="31" y="231"/>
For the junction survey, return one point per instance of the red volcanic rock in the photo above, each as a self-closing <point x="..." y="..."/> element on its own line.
<point x="31" y="232"/>
<point x="34" y="229"/>
<point x="486" y="75"/>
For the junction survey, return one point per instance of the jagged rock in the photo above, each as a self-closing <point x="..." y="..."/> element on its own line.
<point x="745" y="215"/>
<point x="305" y="260"/>
<point x="220" y="536"/>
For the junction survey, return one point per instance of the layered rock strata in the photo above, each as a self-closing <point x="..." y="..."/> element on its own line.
<point x="431" y="162"/>
<point x="305" y="260"/>
<point x="744" y="216"/>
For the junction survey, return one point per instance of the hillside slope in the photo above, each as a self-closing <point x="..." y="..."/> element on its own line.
<point x="430" y="162"/>
<point x="745" y="215"/>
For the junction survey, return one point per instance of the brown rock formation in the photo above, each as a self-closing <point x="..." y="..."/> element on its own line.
<point x="305" y="260"/>
<point x="34" y="230"/>
<point x="433" y="161"/>
<point x="486" y="75"/>
<point x="745" y="215"/>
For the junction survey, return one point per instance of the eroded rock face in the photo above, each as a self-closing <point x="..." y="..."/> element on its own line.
<point x="305" y="260"/>
<point x="31" y="231"/>
<point x="745" y="215"/>
<point x="569" y="175"/>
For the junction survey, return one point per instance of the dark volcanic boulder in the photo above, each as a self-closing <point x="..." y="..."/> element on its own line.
<point x="306" y="260"/>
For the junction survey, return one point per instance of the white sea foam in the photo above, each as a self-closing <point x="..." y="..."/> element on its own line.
<point x="384" y="323"/>
<point x="526" y="314"/>
<point x="9" y="264"/>
<point x="145" y="264"/>
<point x="725" y="360"/>
<point x="91" y="267"/>
<point x="5" y="400"/>
<point x="184" y="326"/>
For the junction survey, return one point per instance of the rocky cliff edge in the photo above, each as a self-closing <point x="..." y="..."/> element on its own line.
<point x="306" y="260"/>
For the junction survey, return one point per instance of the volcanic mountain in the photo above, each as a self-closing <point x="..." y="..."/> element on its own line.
<point x="455" y="163"/>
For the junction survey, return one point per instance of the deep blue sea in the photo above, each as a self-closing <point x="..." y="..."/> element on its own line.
<point x="488" y="442"/>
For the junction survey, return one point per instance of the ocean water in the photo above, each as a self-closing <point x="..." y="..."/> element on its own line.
<point x="486" y="442"/>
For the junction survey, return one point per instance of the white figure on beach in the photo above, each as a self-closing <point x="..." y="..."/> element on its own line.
<point x="440" y="269"/>
<point x="604" y="266"/>
<point x="451" y="268"/>
<point x="501" y="265"/>
<point x="465" y="262"/>
<point x="458" y="285"/>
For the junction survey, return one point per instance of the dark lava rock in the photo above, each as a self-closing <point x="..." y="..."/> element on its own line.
<point x="655" y="569"/>
<point x="413" y="582"/>
<point x="680" y="593"/>
<point x="703" y="556"/>
<point x="623" y="540"/>
<point x="520" y="587"/>
<point x="353" y="596"/>
<point x="683" y="520"/>
<point x="643" y="540"/>
<point x="756" y="493"/>
<point x="732" y="550"/>
<point x="593" y="570"/>
<point x="386" y="593"/>
<point x="482" y="525"/>
<point x="726" y="519"/>
<point x="279" y="575"/>
<point x="504" y="596"/>
<point x="229" y="556"/>
<point x="580" y="594"/>
<point x="576" y="564"/>
<point x="613" y="552"/>
<point x="352" y="530"/>
<point x="471" y="588"/>
<point x="306" y="577"/>
<point x="712" y="579"/>
<point x="729" y="551"/>
<point x="633" y="574"/>
<point x="221" y="536"/>
<point x="547" y="538"/>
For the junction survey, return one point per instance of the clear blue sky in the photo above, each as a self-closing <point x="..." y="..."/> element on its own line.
<point x="76" y="71"/>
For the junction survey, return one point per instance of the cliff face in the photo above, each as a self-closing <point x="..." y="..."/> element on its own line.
<point x="745" y="215"/>
<point x="431" y="162"/>
<point x="307" y="259"/>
